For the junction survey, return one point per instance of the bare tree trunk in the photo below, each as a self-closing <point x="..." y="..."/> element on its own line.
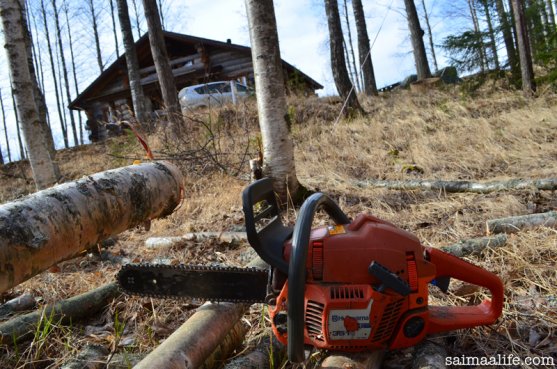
<point x="508" y="38"/>
<point x="481" y="50"/>
<point x="74" y="73"/>
<point x="338" y="64"/>
<point x="14" y="35"/>
<point x="38" y="93"/>
<point x="160" y="56"/>
<point x="366" y="64"/>
<point x="40" y="70"/>
<point x="91" y="4"/>
<point x="351" y="44"/>
<point x="64" y="69"/>
<point x="493" y="42"/>
<point x="351" y="71"/>
<point x="55" y="224"/>
<point x="138" y="98"/>
<point x="113" y="18"/>
<point x="136" y="11"/>
<point x="54" y="76"/>
<point x="36" y="62"/>
<point x="278" y="148"/>
<point x="524" y="52"/>
<point x="17" y="125"/>
<point x="430" y="36"/>
<point x="416" y="36"/>
<point x="551" y="13"/>
<point x="161" y="13"/>
<point x="5" y="127"/>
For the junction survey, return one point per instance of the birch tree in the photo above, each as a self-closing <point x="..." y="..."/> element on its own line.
<point x="338" y="64"/>
<point x="94" y="25"/>
<point x="74" y="72"/>
<point x="54" y="76"/>
<point x="17" y="125"/>
<point x="364" y="52"/>
<point x="64" y="68"/>
<point x="416" y="36"/>
<point x="278" y="148"/>
<point x="138" y="98"/>
<point x="5" y="127"/>
<point x="42" y="166"/>
<point x="160" y="56"/>
<point x="38" y="95"/>
<point x="351" y="58"/>
<point x="430" y="36"/>
<point x="113" y="19"/>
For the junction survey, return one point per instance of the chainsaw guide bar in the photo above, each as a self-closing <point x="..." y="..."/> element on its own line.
<point x="211" y="283"/>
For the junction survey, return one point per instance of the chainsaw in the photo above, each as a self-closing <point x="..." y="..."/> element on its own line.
<point x="350" y="286"/>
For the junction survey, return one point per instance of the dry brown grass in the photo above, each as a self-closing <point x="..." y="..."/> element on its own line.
<point x="440" y="135"/>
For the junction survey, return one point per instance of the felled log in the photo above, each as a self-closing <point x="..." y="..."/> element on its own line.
<point x="20" y="303"/>
<point x="52" y="225"/>
<point x="90" y="357"/>
<point x="371" y="360"/>
<point x="78" y="307"/>
<point x="191" y="344"/>
<point x="264" y="350"/>
<point x="475" y="245"/>
<point x="429" y="355"/>
<point x="233" y="339"/>
<point x="549" y="184"/>
<point x="518" y="223"/>
<point x="169" y="242"/>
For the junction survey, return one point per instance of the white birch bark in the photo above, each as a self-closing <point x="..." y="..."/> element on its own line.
<point x="278" y="148"/>
<point x="44" y="172"/>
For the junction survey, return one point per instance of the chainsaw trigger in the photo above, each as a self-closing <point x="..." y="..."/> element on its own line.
<point x="388" y="279"/>
<point x="442" y="283"/>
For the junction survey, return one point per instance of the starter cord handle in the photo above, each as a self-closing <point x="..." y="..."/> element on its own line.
<point x="297" y="268"/>
<point x="448" y="318"/>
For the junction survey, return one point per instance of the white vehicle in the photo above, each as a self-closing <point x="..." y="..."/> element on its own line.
<point x="211" y="94"/>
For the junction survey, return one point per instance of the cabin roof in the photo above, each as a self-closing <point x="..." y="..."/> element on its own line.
<point x="142" y="44"/>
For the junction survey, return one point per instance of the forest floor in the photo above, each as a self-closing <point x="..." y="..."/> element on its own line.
<point x="450" y="134"/>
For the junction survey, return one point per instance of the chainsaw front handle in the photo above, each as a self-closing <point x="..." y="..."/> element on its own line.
<point x="448" y="318"/>
<point x="297" y="268"/>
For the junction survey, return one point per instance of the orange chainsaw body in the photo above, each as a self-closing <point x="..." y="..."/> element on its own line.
<point x="344" y="310"/>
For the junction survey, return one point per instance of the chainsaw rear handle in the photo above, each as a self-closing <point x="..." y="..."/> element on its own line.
<point x="448" y="318"/>
<point x="297" y="268"/>
<point x="268" y="242"/>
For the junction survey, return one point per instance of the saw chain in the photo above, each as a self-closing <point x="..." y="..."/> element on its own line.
<point x="211" y="283"/>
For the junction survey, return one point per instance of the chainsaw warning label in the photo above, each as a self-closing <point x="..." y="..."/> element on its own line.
<point x="350" y="324"/>
<point x="337" y="229"/>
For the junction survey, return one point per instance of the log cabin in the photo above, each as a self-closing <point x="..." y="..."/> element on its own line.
<point x="194" y="60"/>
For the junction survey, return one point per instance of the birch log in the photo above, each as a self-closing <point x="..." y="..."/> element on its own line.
<point x="169" y="242"/>
<point x="429" y="355"/>
<point x="265" y="350"/>
<point x="549" y="184"/>
<point x="518" y="223"/>
<point x="371" y="360"/>
<point x="75" y="308"/>
<point x="54" y="224"/>
<point x="191" y="344"/>
<point x="475" y="245"/>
